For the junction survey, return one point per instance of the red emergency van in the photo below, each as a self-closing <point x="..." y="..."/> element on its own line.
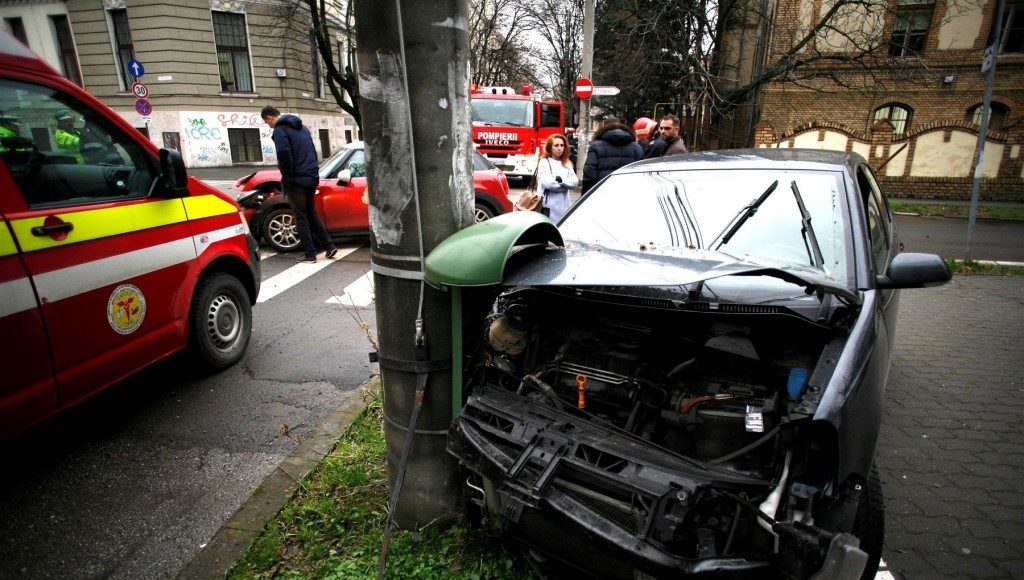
<point x="111" y="257"/>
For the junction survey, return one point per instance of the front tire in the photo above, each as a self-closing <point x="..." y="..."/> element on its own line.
<point x="869" y="527"/>
<point x="280" y="231"/>
<point x="220" y="322"/>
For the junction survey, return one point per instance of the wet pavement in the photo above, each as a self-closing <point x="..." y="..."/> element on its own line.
<point x="951" y="451"/>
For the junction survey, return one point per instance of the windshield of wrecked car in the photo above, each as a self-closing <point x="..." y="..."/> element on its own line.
<point x="691" y="209"/>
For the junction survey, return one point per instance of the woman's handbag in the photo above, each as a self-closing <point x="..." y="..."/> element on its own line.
<point x="529" y="201"/>
<point x="531" y="198"/>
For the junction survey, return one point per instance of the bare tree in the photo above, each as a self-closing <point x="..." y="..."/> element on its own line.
<point x="559" y="26"/>
<point x="318" y="38"/>
<point x="499" y="47"/>
<point x="334" y="34"/>
<point x="709" y="60"/>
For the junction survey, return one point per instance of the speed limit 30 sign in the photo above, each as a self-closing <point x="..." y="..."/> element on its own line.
<point x="141" y="91"/>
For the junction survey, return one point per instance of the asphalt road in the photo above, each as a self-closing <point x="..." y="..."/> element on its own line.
<point x="993" y="239"/>
<point x="134" y="482"/>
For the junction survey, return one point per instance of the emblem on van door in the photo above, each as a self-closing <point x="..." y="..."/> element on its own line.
<point x="126" y="309"/>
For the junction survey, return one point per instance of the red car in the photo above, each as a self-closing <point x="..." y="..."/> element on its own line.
<point x="339" y="198"/>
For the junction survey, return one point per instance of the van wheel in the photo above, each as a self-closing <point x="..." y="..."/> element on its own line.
<point x="220" y="321"/>
<point x="280" y="231"/>
<point x="482" y="212"/>
<point x="869" y="527"/>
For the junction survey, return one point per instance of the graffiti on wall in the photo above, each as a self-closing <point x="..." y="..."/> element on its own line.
<point x="205" y="135"/>
<point x="240" y="120"/>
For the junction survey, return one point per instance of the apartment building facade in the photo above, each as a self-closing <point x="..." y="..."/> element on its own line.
<point x="208" y="67"/>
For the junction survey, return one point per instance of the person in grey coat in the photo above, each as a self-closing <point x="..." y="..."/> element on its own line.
<point x="614" y="145"/>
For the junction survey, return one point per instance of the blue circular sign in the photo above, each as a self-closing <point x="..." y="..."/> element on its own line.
<point x="143" y="107"/>
<point x="135" y="68"/>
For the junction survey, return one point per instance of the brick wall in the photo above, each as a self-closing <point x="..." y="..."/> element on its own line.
<point x="939" y="86"/>
<point x="947" y="164"/>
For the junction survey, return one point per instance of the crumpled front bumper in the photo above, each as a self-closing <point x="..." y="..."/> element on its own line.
<point x="596" y="497"/>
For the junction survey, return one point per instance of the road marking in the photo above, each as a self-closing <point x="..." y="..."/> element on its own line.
<point x="297" y="273"/>
<point x="357" y="294"/>
<point x="883" y="572"/>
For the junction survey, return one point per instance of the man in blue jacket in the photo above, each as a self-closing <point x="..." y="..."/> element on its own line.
<point x="296" y="158"/>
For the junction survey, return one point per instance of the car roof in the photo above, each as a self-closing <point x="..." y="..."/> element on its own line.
<point x="764" y="158"/>
<point x="16" y="54"/>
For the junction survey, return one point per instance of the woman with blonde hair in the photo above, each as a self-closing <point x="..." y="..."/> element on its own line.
<point x="556" y="176"/>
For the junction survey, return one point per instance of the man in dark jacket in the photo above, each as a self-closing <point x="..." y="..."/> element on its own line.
<point x="614" y="145"/>
<point x="296" y="158"/>
<point x="669" y="129"/>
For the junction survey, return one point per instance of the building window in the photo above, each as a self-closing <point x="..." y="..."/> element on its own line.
<point x="172" y="140"/>
<point x="910" y="28"/>
<point x="318" y="85"/>
<point x="232" y="52"/>
<point x="17" y="29"/>
<point x="895" y="113"/>
<point x="66" y="48"/>
<point x="245" y="145"/>
<point x="996" y="118"/>
<point x="1012" y="39"/>
<point x="123" y="47"/>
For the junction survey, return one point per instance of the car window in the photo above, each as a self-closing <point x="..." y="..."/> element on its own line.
<point x="60" y="152"/>
<point x="480" y="163"/>
<point x="356" y="164"/>
<point x="329" y="167"/>
<point x="877" y="218"/>
<point x="692" y="208"/>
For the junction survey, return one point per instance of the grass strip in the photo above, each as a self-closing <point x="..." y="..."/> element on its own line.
<point x="960" y="211"/>
<point x="333" y="526"/>
<point x="975" y="267"/>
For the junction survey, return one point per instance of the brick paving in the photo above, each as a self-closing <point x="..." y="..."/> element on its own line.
<point x="951" y="451"/>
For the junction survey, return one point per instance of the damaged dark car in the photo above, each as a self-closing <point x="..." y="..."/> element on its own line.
<point x="686" y="376"/>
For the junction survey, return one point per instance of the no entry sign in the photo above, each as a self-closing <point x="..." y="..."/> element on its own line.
<point x="584" y="88"/>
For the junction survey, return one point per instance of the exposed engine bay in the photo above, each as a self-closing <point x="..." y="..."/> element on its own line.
<point x="655" y="438"/>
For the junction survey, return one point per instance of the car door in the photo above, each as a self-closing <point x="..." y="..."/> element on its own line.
<point x="107" y="260"/>
<point x="341" y="204"/>
<point x="883" y="246"/>
<point x="28" y="392"/>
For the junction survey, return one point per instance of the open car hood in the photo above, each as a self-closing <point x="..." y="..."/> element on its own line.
<point x="582" y="264"/>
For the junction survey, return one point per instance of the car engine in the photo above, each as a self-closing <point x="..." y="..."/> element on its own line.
<point x="702" y="384"/>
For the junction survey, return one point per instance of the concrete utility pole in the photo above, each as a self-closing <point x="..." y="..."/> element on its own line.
<point x="413" y="60"/>
<point x="583" y="131"/>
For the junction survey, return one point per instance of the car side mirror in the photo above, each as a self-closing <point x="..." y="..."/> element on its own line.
<point x="344" y="177"/>
<point x="912" y="270"/>
<point x="173" y="180"/>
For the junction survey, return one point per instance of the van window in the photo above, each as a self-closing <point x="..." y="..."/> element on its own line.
<point x="82" y="159"/>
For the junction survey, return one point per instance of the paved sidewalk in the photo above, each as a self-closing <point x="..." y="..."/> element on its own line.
<point x="951" y="451"/>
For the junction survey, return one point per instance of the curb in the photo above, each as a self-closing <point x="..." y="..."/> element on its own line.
<point x="218" y="555"/>
<point x="957" y="217"/>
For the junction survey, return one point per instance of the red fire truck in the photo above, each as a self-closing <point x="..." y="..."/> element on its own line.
<point x="510" y="128"/>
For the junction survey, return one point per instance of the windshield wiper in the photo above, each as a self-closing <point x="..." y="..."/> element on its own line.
<point x="810" y="240"/>
<point x="741" y="218"/>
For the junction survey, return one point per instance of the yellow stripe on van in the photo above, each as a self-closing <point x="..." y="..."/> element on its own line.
<point x="7" y="246"/>
<point x="203" y="206"/>
<point x="102" y="223"/>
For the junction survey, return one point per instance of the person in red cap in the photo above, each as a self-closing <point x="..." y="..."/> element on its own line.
<point x="644" y="127"/>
